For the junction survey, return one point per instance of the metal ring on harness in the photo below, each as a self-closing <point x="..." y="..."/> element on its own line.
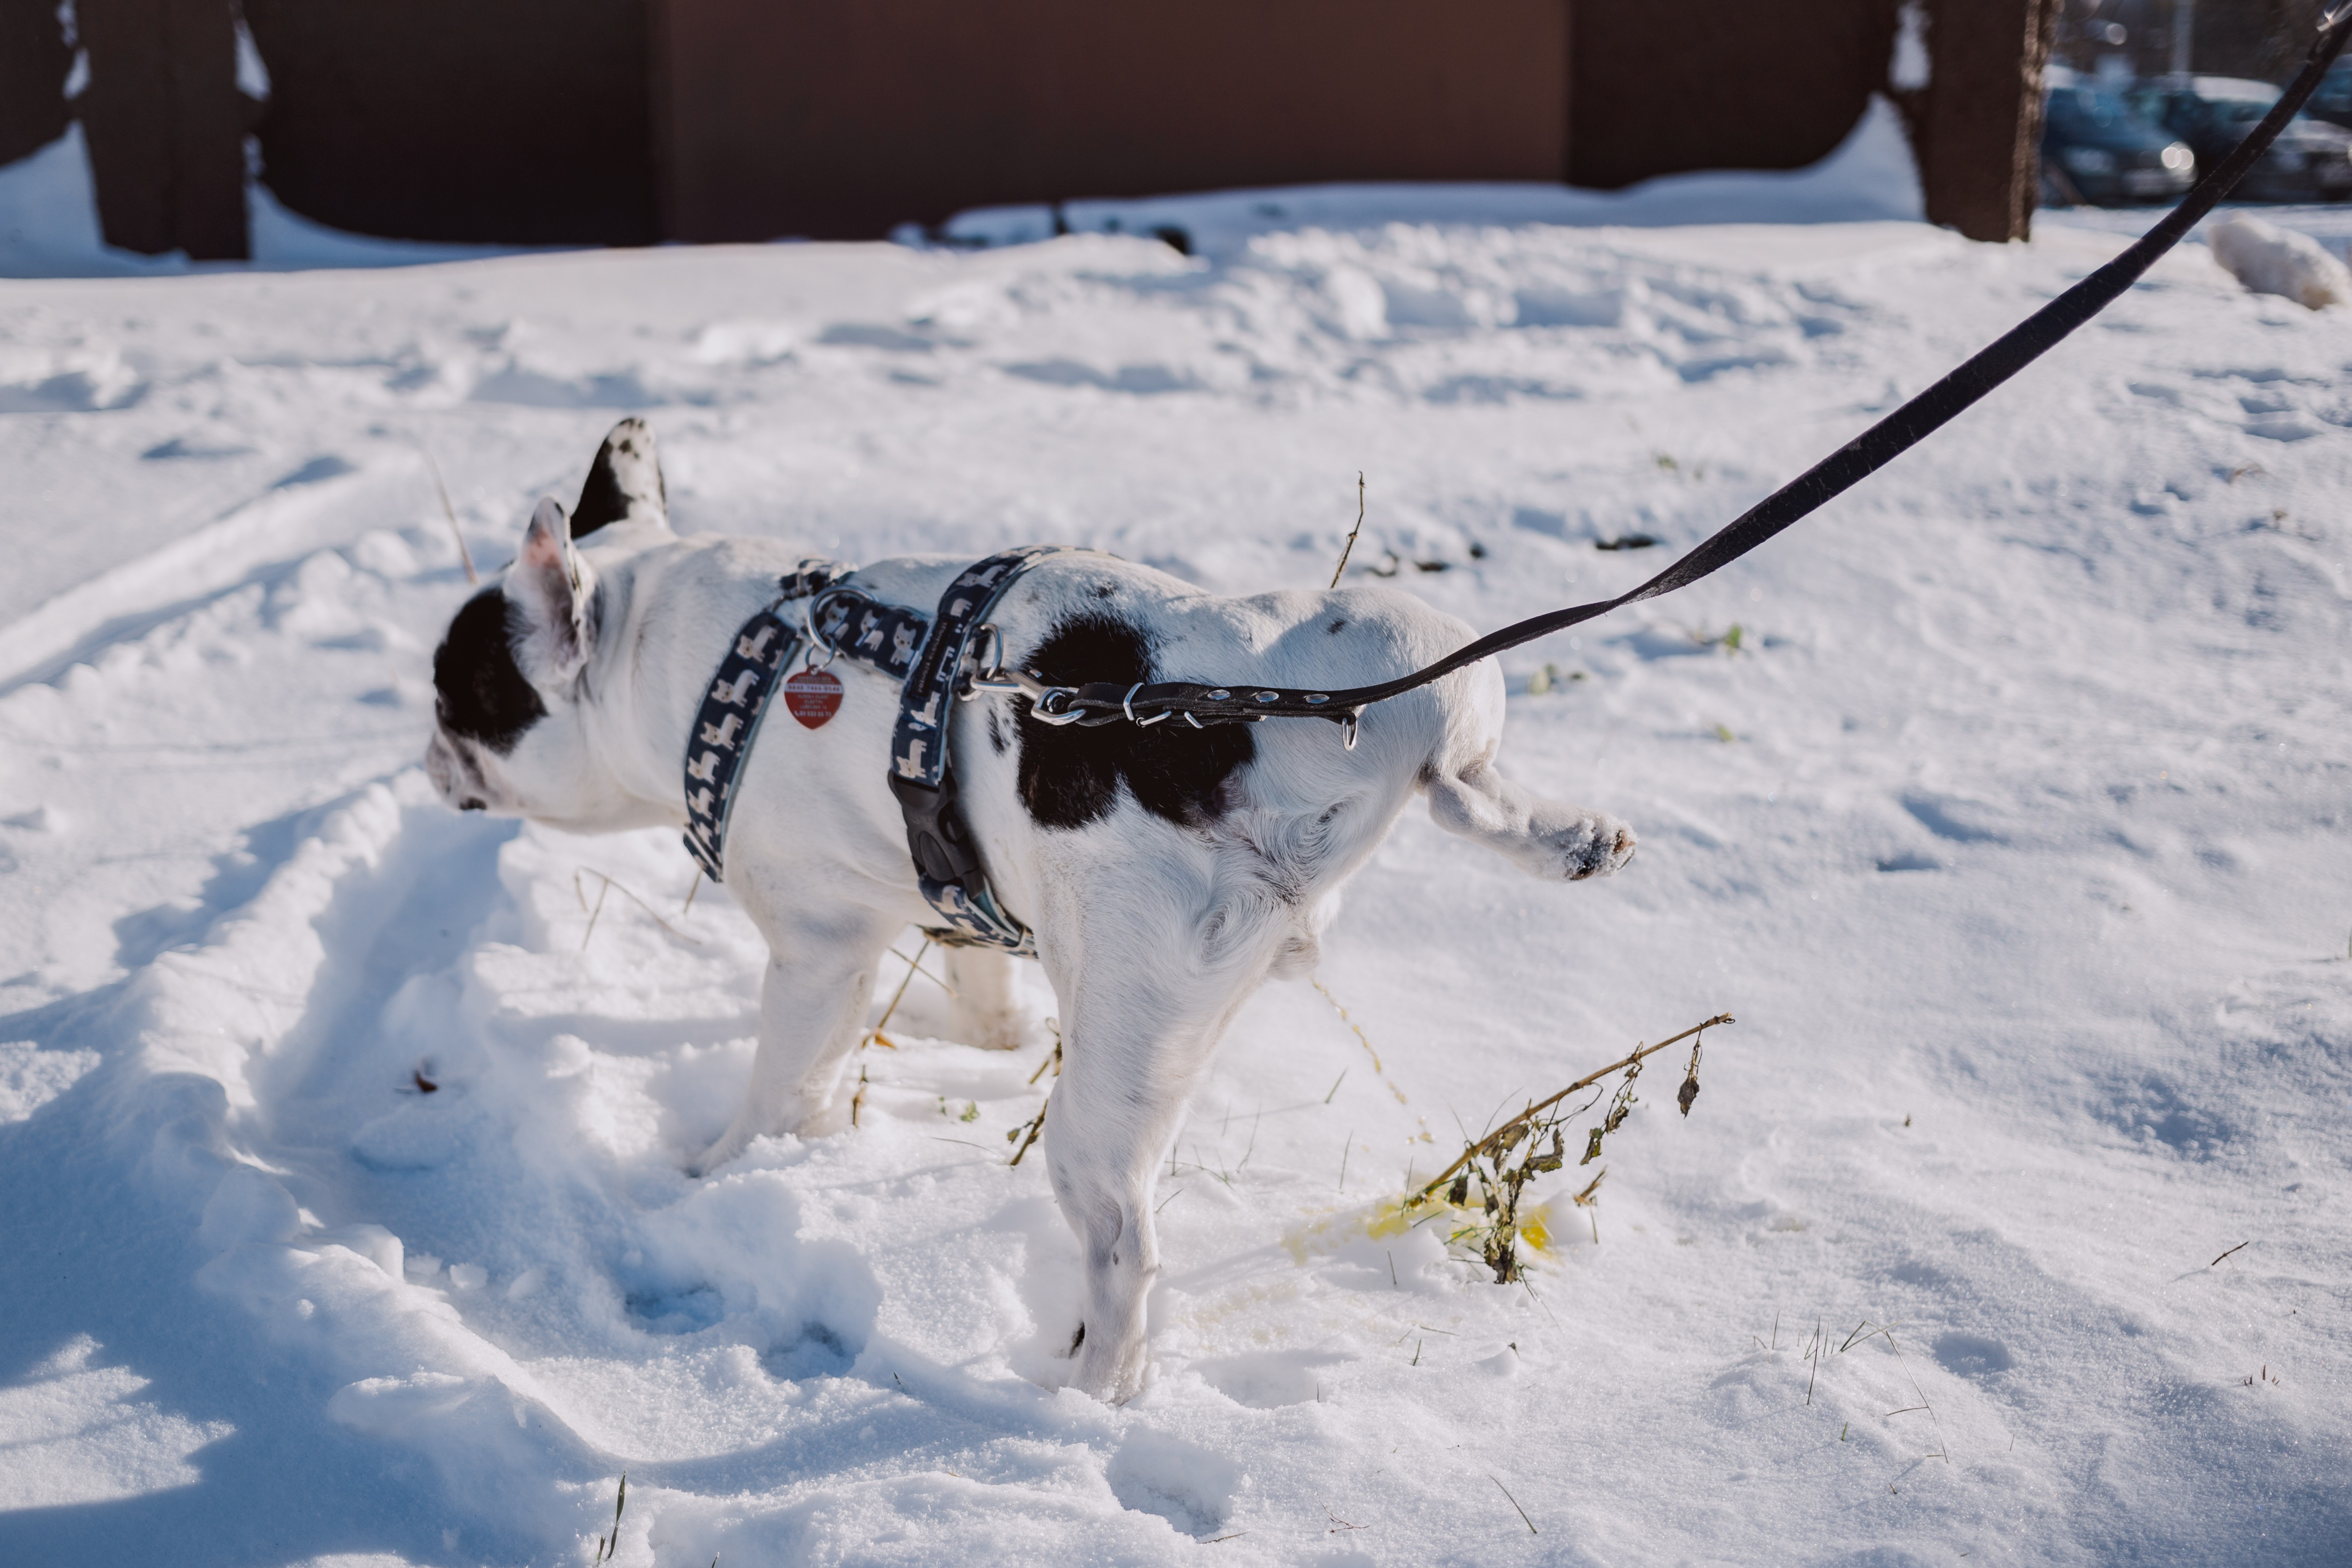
<point x="808" y="626"/>
<point x="986" y="663"/>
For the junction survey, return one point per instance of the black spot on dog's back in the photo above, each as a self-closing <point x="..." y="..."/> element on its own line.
<point x="480" y="693"/>
<point x="1070" y="774"/>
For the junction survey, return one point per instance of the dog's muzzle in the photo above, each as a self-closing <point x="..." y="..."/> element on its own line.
<point x="454" y="775"/>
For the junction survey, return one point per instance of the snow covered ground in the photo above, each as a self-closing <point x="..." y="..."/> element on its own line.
<point x="2012" y="828"/>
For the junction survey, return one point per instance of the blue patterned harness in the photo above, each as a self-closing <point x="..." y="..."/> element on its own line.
<point x="933" y="656"/>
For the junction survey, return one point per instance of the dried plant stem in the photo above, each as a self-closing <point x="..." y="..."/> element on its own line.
<point x="1515" y="1504"/>
<point x="857" y="1100"/>
<point x="1347" y="548"/>
<point x="897" y="996"/>
<point x="1943" y="1450"/>
<point x="1037" y="1122"/>
<point x="612" y="884"/>
<point x="1053" y="1060"/>
<point x="914" y="964"/>
<point x="608" y="1544"/>
<point x="1363" y="1039"/>
<point x="450" y="512"/>
<point x="596" y="913"/>
<point x="1494" y="1141"/>
<point x="1035" y="1127"/>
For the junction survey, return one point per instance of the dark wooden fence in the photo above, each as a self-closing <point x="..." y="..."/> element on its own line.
<point x="630" y="122"/>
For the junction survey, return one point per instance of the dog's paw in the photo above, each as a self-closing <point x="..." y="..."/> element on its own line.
<point x="823" y="1123"/>
<point x="1112" y="1374"/>
<point x="1603" y="851"/>
<point x="995" y="1031"/>
<point x="1590" y="844"/>
<point x="730" y="1143"/>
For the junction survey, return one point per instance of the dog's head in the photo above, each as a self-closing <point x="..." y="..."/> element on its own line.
<point x="513" y="677"/>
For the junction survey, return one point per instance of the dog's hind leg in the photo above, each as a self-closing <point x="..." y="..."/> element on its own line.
<point x="1115" y="1110"/>
<point x="1547" y="837"/>
<point x="811" y="1012"/>
<point x="1148" y="984"/>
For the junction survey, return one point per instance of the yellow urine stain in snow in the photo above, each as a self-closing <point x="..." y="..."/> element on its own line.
<point x="1390" y="1217"/>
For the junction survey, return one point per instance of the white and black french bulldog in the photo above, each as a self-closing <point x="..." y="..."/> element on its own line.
<point x="1165" y="871"/>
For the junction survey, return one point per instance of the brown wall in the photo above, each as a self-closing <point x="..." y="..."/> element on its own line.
<point x="164" y="125"/>
<point x="519" y="121"/>
<point x="626" y="122"/>
<point x="1662" y="86"/>
<point x="841" y="120"/>
<point x="34" y="60"/>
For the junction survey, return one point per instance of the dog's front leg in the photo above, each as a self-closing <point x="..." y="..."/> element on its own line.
<point x="811" y="1010"/>
<point x="986" y="1014"/>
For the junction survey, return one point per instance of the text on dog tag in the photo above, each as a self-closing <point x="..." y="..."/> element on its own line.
<point x="813" y="696"/>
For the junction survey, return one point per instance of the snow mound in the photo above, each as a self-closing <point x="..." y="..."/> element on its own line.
<point x="2272" y="260"/>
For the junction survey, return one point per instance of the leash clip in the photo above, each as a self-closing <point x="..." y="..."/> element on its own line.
<point x="986" y="674"/>
<point x="983" y="663"/>
<point x="1047" y="706"/>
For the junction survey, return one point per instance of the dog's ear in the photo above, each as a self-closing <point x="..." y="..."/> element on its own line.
<point x="624" y="483"/>
<point x="549" y="584"/>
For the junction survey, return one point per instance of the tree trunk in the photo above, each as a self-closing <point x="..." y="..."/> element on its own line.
<point x="1977" y="125"/>
<point x="165" y="126"/>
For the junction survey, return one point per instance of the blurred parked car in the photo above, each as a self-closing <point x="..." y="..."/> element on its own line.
<point x="2106" y="153"/>
<point x="2332" y="102"/>
<point x="2309" y="162"/>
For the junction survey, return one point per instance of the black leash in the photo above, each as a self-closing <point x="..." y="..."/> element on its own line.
<point x="1106" y="702"/>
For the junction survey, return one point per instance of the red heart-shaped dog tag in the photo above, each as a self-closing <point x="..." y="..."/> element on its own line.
<point x="813" y="696"/>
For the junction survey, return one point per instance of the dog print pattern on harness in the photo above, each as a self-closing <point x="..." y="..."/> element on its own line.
<point x="922" y="713"/>
<point x="721" y="739"/>
<point x="722" y="736"/>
